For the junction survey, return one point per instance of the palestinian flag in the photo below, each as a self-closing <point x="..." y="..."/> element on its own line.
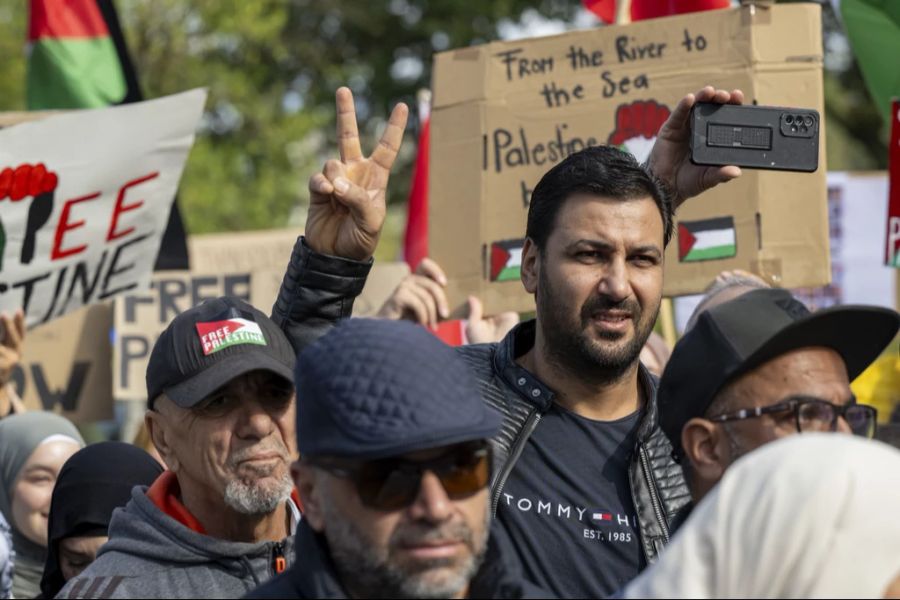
<point x="72" y="61"/>
<point x="218" y="335"/>
<point x="506" y="260"/>
<point x="710" y="239"/>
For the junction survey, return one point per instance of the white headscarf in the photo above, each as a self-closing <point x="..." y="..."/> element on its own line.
<point x="810" y="516"/>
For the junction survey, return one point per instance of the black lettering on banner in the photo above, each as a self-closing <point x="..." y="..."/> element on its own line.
<point x="556" y="96"/>
<point x="237" y="286"/>
<point x="67" y="398"/>
<point x="114" y="271"/>
<point x="579" y="58"/>
<point x="61" y="276"/>
<point x="197" y="284"/>
<point x="28" y="286"/>
<point x="132" y="347"/>
<point x="526" y="194"/>
<point x="508" y="153"/>
<point x="168" y="309"/>
<point x="629" y="50"/>
<point x="623" y="85"/>
<point x="131" y="302"/>
<point x="519" y="68"/>
<point x="690" y="42"/>
<point x="80" y="273"/>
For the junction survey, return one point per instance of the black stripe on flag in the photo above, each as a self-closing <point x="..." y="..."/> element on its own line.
<point x="709" y="224"/>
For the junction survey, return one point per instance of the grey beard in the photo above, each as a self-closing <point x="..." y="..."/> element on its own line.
<point x="367" y="572"/>
<point x="255" y="499"/>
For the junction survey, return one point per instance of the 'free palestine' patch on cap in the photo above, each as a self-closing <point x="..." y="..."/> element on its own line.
<point x="218" y="335"/>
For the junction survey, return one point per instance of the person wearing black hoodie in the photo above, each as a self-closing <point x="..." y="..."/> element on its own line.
<point x="91" y="485"/>
<point x="394" y="472"/>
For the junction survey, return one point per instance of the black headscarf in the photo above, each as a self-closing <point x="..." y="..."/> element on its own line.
<point x="93" y="482"/>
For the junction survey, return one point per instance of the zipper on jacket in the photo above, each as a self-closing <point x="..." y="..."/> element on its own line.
<point x="530" y="424"/>
<point x="654" y="499"/>
<point x="279" y="562"/>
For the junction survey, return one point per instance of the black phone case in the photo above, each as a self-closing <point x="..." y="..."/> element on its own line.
<point x="758" y="137"/>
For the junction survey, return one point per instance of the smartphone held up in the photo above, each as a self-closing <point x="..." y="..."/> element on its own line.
<point x="757" y="137"/>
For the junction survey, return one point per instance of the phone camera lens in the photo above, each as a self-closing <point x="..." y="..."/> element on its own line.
<point x="803" y="129"/>
<point x="808" y="121"/>
<point x="789" y="119"/>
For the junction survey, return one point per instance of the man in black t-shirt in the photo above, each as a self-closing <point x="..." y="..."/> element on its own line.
<point x="584" y="485"/>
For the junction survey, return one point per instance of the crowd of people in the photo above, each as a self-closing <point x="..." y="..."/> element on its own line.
<point x="310" y="455"/>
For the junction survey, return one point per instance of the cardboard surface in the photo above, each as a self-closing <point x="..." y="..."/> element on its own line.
<point x="84" y="201"/>
<point x="505" y="112"/>
<point x="66" y="366"/>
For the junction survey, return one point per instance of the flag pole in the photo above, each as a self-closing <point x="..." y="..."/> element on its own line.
<point x="623" y="12"/>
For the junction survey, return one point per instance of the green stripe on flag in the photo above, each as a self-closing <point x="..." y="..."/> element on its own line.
<point x="711" y="253"/>
<point x="509" y="274"/>
<point x="74" y="73"/>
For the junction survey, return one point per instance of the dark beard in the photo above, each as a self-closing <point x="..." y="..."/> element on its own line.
<point x="369" y="572"/>
<point x="569" y="347"/>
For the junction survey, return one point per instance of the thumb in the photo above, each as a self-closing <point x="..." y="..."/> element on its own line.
<point x="476" y="310"/>
<point x="350" y="195"/>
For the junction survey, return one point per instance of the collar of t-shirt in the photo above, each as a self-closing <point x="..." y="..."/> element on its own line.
<point x="165" y="491"/>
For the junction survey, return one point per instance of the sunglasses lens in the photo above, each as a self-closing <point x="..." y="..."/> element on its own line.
<point x="468" y="473"/>
<point x="385" y="485"/>
<point x="392" y="484"/>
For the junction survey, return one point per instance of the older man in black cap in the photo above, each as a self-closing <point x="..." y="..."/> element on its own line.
<point x="762" y="367"/>
<point x="394" y="472"/>
<point x="221" y="414"/>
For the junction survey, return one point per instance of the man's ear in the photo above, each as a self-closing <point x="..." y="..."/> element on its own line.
<point x="306" y="481"/>
<point x="158" y="428"/>
<point x="702" y="443"/>
<point x="531" y="266"/>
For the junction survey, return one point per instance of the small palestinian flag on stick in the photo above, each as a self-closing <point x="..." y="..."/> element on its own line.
<point x="506" y="260"/>
<point x="710" y="239"/>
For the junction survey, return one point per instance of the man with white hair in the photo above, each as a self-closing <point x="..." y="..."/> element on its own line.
<point x="220" y="521"/>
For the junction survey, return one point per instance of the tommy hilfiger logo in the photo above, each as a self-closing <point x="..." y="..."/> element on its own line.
<point x="218" y="335"/>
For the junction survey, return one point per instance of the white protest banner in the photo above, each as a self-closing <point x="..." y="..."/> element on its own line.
<point x="84" y="200"/>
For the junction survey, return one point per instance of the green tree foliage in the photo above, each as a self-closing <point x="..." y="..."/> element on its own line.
<point x="272" y="67"/>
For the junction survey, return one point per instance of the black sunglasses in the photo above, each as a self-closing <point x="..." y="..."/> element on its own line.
<point x="814" y="414"/>
<point x="393" y="483"/>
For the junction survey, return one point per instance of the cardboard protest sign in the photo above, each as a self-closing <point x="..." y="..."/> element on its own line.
<point x="505" y="112"/>
<point x="892" y="247"/>
<point x="84" y="200"/>
<point x="66" y="366"/>
<point x="247" y="265"/>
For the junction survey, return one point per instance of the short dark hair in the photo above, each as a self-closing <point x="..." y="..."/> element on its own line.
<point x="599" y="170"/>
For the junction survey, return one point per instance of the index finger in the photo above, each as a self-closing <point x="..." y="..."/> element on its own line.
<point x="347" y="131"/>
<point x="432" y="270"/>
<point x="389" y="144"/>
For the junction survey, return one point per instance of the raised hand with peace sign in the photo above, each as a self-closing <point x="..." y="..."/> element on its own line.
<point x="347" y="199"/>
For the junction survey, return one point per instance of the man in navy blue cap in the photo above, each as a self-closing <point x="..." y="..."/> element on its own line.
<point x="394" y="471"/>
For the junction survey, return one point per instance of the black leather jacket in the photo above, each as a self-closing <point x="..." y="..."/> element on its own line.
<point x="318" y="290"/>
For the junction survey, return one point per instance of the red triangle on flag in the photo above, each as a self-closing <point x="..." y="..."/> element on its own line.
<point x="686" y="241"/>
<point x="499" y="258"/>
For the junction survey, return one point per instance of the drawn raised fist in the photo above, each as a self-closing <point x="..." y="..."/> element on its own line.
<point x="25" y="181"/>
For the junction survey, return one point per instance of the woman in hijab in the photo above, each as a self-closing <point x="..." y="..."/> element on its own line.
<point x="33" y="448"/>
<point x="810" y="516"/>
<point x="95" y="481"/>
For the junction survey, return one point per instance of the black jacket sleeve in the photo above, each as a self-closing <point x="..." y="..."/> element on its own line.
<point x="317" y="291"/>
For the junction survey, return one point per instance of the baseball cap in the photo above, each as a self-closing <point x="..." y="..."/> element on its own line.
<point x="373" y="389"/>
<point x="737" y="336"/>
<point x="208" y="345"/>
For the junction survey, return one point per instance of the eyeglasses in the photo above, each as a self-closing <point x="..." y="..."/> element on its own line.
<point x="393" y="483"/>
<point x="814" y="414"/>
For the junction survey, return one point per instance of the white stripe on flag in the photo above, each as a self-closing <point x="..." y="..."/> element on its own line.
<point x="713" y="238"/>
<point x="515" y="258"/>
